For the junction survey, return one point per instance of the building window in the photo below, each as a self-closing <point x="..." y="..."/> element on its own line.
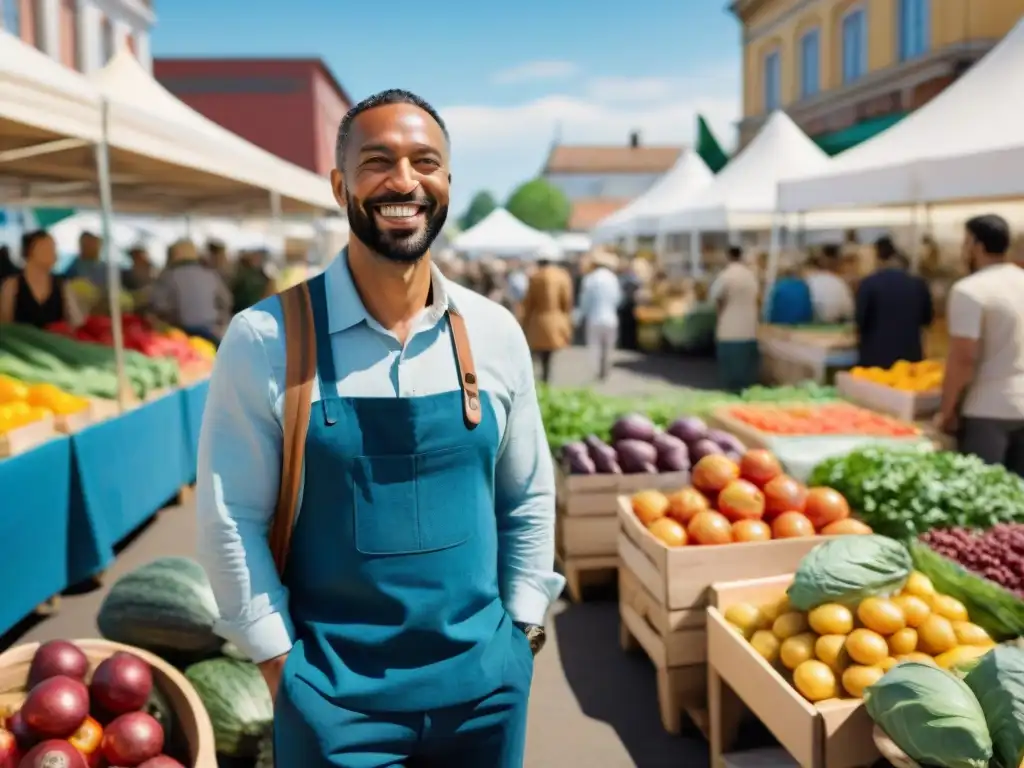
<point x="810" y="64"/>
<point x="855" y="45"/>
<point x="210" y="84"/>
<point x="12" y="16"/>
<point x="772" y="81"/>
<point x="914" y="25"/>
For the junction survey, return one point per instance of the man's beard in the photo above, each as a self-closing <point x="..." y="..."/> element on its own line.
<point x="401" y="247"/>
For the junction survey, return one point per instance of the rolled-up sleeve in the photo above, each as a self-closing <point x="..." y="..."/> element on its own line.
<point x="525" y="501"/>
<point x="236" y="491"/>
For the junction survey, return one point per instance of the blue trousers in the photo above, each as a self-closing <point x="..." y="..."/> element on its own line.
<point x="487" y="733"/>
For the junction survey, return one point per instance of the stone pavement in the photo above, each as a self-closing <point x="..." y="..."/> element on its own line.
<point x="591" y="705"/>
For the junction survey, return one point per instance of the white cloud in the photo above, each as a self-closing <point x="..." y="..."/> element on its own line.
<point x="536" y="70"/>
<point x="495" y="147"/>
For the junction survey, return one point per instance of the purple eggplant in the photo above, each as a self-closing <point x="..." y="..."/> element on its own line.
<point x="703" y="448"/>
<point x="636" y="456"/>
<point x="727" y="441"/>
<point x="634" y="426"/>
<point x="689" y="429"/>
<point x="577" y="459"/>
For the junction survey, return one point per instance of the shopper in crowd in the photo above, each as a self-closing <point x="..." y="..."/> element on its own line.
<point x="140" y="275"/>
<point x="87" y="265"/>
<point x="893" y="309"/>
<point x="7" y="266"/>
<point x="547" y="311"/>
<point x="37" y="296"/>
<point x="516" y="284"/>
<point x="789" y="300"/>
<point x="598" y="309"/>
<point x="831" y="296"/>
<point x="983" y="388"/>
<point x="251" y="282"/>
<point x="420" y="562"/>
<point x="217" y="259"/>
<point x="631" y="283"/>
<point x="189" y="295"/>
<point x="734" y="293"/>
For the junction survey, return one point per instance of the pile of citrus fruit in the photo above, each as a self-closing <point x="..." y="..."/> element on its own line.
<point x="925" y="376"/>
<point x="835" y="651"/>
<point x="23" y="404"/>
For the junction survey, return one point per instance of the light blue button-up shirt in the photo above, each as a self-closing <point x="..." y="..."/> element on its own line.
<point x="240" y="446"/>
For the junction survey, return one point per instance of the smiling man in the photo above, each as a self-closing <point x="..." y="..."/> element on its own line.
<point x="416" y="555"/>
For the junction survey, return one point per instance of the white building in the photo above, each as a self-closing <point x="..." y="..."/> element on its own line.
<point x="82" y="34"/>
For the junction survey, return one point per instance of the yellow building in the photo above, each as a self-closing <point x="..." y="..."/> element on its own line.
<point x="846" y="69"/>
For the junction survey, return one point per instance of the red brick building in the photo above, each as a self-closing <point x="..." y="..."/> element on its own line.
<point x="290" y="107"/>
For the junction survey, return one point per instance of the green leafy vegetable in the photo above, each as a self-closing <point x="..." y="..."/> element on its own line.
<point x="931" y="715"/>
<point x="902" y="492"/>
<point x="848" y="569"/>
<point x="998" y="682"/>
<point x="996" y="610"/>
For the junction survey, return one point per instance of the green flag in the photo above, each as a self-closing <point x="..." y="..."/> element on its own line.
<point x="47" y="217"/>
<point x="708" y="148"/>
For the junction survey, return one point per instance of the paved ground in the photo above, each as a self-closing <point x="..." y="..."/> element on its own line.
<point x="591" y="704"/>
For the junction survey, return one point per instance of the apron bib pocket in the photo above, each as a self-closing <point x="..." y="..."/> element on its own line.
<point x="413" y="504"/>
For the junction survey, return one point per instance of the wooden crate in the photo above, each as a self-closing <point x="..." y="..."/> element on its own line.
<point x="582" y="573"/>
<point x="830" y="734"/>
<point x="26" y="438"/>
<point x="909" y="406"/>
<point x="191" y="718"/>
<point x="676" y="644"/>
<point x="70" y="423"/>
<point x="582" y="495"/>
<point x="680" y="578"/>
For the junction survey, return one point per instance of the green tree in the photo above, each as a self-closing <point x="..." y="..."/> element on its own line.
<point x="479" y="208"/>
<point x="540" y="205"/>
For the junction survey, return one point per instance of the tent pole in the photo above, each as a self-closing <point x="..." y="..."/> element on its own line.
<point x="113" y="273"/>
<point x="772" y="268"/>
<point x="695" y="255"/>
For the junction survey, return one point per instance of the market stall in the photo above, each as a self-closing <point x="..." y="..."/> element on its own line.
<point x="502" y="234"/>
<point x="81" y="471"/>
<point x="790" y="354"/>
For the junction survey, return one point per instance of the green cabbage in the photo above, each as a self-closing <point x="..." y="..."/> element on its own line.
<point x="931" y="715"/>
<point x="998" y="682"/>
<point x="848" y="569"/>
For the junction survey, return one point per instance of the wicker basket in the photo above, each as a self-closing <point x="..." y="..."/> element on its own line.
<point x="890" y="751"/>
<point x="190" y="714"/>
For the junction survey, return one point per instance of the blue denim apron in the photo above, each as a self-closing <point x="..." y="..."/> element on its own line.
<point x="404" y="648"/>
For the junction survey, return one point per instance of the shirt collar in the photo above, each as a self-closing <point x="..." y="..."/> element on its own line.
<point x="345" y="309"/>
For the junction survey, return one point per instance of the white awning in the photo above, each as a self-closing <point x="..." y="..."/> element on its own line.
<point x="965" y="144"/>
<point x="502" y="234"/>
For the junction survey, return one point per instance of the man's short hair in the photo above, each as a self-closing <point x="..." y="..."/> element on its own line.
<point x="735" y="253"/>
<point x="885" y="247"/>
<point x="390" y="96"/>
<point x="991" y="232"/>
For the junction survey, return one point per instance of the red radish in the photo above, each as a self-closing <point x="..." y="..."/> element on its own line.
<point x="16" y="725"/>
<point x="56" y="707"/>
<point x="10" y="752"/>
<point x="54" y="753"/>
<point x="161" y="761"/>
<point x="57" y="657"/>
<point x="121" y="683"/>
<point x="132" y="739"/>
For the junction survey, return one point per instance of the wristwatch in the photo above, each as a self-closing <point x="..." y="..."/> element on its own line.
<point x="535" y="635"/>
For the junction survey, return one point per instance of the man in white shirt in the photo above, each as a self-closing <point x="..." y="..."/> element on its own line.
<point x="600" y="297"/>
<point x="830" y="295"/>
<point x="983" y="390"/>
<point x="734" y="293"/>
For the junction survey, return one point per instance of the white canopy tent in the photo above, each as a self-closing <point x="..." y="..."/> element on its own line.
<point x="681" y="186"/>
<point x="502" y="234"/>
<point x="148" y="119"/>
<point x="965" y="144"/>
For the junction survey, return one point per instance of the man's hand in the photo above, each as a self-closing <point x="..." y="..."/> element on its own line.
<point x="947" y="423"/>
<point x="271" y="670"/>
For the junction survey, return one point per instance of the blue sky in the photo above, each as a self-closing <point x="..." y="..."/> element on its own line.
<point x="503" y="75"/>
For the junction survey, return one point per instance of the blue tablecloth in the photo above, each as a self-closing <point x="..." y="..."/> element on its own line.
<point x="51" y="543"/>
<point x="132" y="465"/>
<point x="193" y="401"/>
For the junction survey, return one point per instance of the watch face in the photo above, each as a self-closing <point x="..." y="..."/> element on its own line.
<point x="536" y="636"/>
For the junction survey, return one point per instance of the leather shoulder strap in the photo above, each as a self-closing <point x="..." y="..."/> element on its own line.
<point x="467" y="369"/>
<point x="300" y="371"/>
